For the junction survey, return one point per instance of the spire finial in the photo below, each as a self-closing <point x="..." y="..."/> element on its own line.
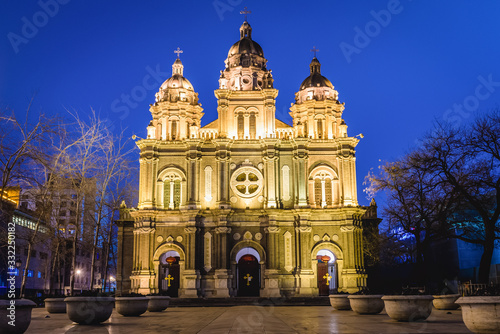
<point x="314" y="50"/>
<point x="246" y="12"/>
<point x="178" y="51"/>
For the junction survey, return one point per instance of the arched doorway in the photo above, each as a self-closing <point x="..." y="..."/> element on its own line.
<point x="169" y="273"/>
<point x="248" y="272"/>
<point x="326" y="272"/>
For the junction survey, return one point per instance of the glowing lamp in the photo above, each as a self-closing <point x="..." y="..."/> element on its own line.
<point x="325" y="258"/>
<point x="170" y="259"/>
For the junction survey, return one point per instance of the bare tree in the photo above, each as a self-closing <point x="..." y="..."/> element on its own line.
<point x="418" y="205"/>
<point x="448" y="187"/>
<point x="468" y="160"/>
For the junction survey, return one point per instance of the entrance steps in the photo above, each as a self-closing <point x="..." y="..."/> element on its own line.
<point x="256" y="301"/>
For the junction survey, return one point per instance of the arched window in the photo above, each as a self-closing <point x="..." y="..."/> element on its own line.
<point x="172" y="191"/>
<point x="241" y="126"/>
<point x="322" y="179"/>
<point x="174" y="130"/>
<point x="320" y="128"/>
<point x="253" y="129"/>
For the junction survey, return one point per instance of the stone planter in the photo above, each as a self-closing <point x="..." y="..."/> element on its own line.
<point x="158" y="303"/>
<point x="408" y="307"/>
<point x="340" y="302"/>
<point x="20" y="312"/>
<point x="55" y="305"/>
<point x="445" y="302"/>
<point x="481" y="314"/>
<point x="89" y="310"/>
<point x="131" y="306"/>
<point x="366" y="304"/>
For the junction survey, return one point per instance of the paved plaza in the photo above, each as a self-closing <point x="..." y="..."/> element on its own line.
<point x="250" y="319"/>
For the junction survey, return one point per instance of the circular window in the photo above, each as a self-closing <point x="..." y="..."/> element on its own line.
<point x="247" y="182"/>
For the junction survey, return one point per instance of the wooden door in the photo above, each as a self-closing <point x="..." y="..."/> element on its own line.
<point x="170" y="279"/>
<point x="323" y="287"/>
<point x="248" y="276"/>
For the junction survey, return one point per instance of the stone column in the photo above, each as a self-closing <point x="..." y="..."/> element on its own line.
<point x="271" y="275"/>
<point x="190" y="276"/>
<point x="222" y="274"/>
<point x="143" y="277"/>
<point x="222" y="157"/>
<point x="193" y="177"/>
<point x="307" y="283"/>
<point x="350" y="276"/>
<point x="271" y="160"/>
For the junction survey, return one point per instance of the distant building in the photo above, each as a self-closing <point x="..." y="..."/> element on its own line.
<point x="25" y="221"/>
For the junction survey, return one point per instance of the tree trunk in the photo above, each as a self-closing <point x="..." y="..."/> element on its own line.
<point x="25" y="274"/>
<point x="73" y="264"/>
<point x="489" y="247"/>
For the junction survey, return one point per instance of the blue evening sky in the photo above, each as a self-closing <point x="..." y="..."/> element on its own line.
<point x="397" y="65"/>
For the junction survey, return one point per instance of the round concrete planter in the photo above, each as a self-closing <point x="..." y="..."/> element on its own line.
<point x="366" y="304"/>
<point x="445" y="302"/>
<point x="131" y="306"/>
<point x="158" y="303"/>
<point x="55" y="305"/>
<point x="89" y="310"/>
<point x="21" y="314"/>
<point x="408" y="307"/>
<point x="340" y="302"/>
<point x="481" y="314"/>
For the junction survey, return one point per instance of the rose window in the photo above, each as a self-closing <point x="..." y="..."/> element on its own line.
<point x="246" y="182"/>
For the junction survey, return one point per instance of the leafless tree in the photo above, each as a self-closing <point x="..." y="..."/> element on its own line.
<point x="468" y="161"/>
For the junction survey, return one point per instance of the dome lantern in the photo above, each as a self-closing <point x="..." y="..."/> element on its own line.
<point x="245" y="30"/>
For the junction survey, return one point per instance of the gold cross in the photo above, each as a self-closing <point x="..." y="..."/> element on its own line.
<point x="169" y="278"/>
<point x="246" y="12"/>
<point x="327" y="276"/>
<point x="178" y="51"/>
<point x="314" y="50"/>
<point x="248" y="278"/>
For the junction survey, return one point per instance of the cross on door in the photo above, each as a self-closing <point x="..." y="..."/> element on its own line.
<point x="169" y="278"/>
<point x="327" y="277"/>
<point x="248" y="278"/>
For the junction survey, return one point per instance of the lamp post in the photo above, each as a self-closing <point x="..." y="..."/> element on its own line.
<point x="78" y="272"/>
<point x="19" y="263"/>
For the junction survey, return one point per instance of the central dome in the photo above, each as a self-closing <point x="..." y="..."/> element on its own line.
<point x="246" y="45"/>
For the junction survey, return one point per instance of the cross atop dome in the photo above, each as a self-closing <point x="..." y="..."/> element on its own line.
<point x="178" y="51"/>
<point x="314" y="50"/>
<point x="245" y="11"/>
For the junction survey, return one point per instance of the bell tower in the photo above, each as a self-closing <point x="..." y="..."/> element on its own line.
<point x="246" y="96"/>
<point x="317" y="112"/>
<point x="176" y="112"/>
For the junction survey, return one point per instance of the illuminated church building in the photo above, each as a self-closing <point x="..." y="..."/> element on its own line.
<point x="246" y="205"/>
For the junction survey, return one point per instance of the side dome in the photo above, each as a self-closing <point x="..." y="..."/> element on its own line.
<point x="177" y="87"/>
<point x="315" y="79"/>
<point x="177" y="80"/>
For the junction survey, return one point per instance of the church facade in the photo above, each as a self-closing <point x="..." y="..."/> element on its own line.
<point x="246" y="205"/>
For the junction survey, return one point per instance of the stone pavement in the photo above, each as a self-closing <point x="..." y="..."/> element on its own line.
<point x="250" y="319"/>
